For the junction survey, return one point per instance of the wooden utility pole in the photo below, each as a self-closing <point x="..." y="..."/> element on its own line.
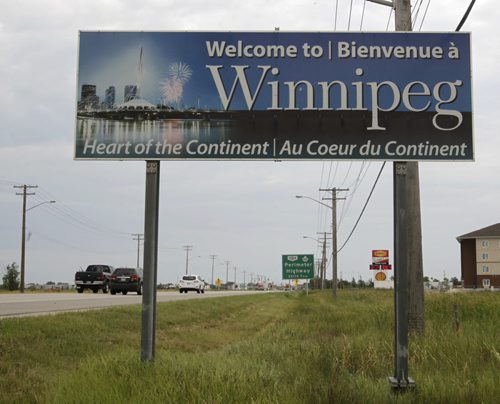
<point x="408" y="274"/>
<point x="138" y="237"/>
<point x="334" y="200"/>
<point x="24" y="194"/>
<point x="414" y="259"/>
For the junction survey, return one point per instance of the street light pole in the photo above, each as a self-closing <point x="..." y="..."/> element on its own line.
<point x="227" y="272"/>
<point x="24" y="194"/>
<point x="187" y="248"/>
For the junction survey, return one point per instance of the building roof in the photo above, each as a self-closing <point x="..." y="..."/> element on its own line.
<point x="492" y="231"/>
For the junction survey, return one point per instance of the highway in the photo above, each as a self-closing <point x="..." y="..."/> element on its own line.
<point x="35" y="304"/>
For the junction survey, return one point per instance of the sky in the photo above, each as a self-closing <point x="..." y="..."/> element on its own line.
<point x="243" y="212"/>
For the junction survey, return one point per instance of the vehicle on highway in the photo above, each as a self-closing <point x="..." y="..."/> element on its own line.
<point x="192" y="282"/>
<point x="126" y="280"/>
<point x="95" y="277"/>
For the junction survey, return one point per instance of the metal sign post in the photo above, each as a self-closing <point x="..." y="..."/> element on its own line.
<point x="400" y="379"/>
<point x="150" y="260"/>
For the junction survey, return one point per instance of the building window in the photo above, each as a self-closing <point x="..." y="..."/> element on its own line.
<point x="486" y="256"/>
<point x="486" y="268"/>
<point x="486" y="283"/>
<point x="485" y="243"/>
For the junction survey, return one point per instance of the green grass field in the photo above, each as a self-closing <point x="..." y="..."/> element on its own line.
<point x="264" y="348"/>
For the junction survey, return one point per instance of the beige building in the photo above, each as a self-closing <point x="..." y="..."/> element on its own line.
<point x="480" y="257"/>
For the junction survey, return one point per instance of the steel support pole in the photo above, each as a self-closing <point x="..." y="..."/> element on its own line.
<point x="400" y="379"/>
<point x="402" y="228"/>
<point x="150" y="260"/>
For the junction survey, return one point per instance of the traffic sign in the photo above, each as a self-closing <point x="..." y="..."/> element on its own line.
<point x="298" y="266"/>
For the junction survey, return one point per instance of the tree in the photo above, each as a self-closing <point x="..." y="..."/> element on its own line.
<point x="11" y="277"/>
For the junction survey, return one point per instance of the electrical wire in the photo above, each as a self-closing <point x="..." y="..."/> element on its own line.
<point x="425" y="15"/>
<point x="389" y="20"/>
<point x="417" y="12"/>
<point x="364" y="207"/>
<point x="362" y="15"/>
<point x="73" y="215"/>
<point x="466" y="15"/>
<point x="336" y="12"/>
<point x="349" y="20"/>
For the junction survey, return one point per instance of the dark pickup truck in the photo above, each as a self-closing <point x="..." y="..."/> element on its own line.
<point x="95" y="277"/>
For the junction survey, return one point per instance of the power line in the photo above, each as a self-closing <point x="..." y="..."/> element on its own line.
<point x="362" y="16"/>
<point x="336" y="13"/>
<point x="425" y="15"/>
<point x="389" y="20"/>
<point x="364" y="207"/>
<point x="349" y="21"/>
<point x="466" y="15"/>
<point x="416" y="13"/>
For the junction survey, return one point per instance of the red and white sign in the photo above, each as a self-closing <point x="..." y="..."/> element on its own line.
<point x="380" y="257"/>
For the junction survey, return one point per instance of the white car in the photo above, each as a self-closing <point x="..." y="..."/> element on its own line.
<point x="192" y="282"/>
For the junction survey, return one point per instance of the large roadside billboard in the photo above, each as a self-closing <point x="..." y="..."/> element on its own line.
<point x="274" y="95"/>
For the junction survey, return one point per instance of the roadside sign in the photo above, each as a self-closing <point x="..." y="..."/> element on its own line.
<point x="274" y="95"/>
<point x="380" y="256"/>
<point x="298" y="266"/>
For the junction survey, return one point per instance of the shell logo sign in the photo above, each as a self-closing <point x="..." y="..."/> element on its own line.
<point x="380" y="276"/>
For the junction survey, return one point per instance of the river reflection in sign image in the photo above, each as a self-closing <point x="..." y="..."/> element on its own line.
<point x="131" y="134"/>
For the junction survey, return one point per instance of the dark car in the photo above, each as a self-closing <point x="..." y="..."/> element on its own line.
<point x="126" y="280"/>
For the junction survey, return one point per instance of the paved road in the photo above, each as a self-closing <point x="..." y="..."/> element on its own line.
<point x="33" y="304"/>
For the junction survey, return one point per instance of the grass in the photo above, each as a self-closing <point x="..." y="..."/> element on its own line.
<point x="265" y="348"/>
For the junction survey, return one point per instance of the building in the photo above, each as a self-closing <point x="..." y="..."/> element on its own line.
<point x="129" y="93"/>
<point x="109" y="97"/>
<point x="88" y="97"/>
<point x="480" y="257"/>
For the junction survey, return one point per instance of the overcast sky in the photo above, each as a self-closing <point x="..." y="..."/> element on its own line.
<point x="243" y="212"/>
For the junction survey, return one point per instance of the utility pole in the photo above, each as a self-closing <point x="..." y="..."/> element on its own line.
<point x="245" y="279"/>
<point x="139" y="237"/>
<point x="24" y="193"/>
<point x="407" y="239"/>
<point x="187" y="248"/>
<point x="235" y="276"/>
<point x="318" y="272"/>
<point x="334" y="200"/>
<point x="323" y="261"/>
<point x="227" y="272"/>
<point x="213" y="257"/>
<point x="408" y="273"/>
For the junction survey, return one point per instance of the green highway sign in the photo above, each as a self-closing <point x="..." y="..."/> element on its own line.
<point x="298" y="266"/>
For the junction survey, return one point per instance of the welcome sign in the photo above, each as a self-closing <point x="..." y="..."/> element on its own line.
<point x="274" y="95"/>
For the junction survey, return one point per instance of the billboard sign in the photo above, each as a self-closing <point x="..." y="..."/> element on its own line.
<point x="274" y="96"/>
<point x="298" y="266"/>
<point x="380" y="257"/>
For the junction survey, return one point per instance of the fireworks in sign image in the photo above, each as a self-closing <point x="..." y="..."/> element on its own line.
<point x="172" y="88"/>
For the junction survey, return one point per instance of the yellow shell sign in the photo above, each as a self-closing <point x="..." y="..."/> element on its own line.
<point x="380" y="276"/>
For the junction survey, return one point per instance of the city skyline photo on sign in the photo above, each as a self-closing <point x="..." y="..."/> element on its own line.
<point x="274" y="95"/>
